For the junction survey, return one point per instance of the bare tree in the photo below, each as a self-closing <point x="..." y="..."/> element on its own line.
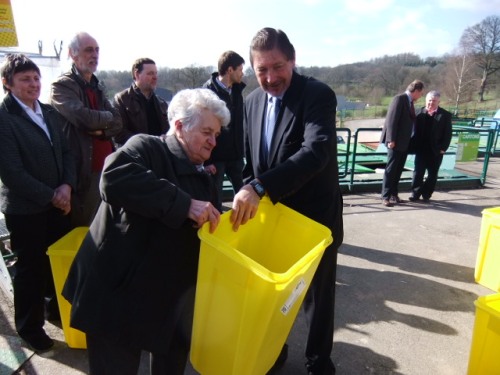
<point x="483" y="42"/>
<point x="460" y="78"/>
<point x="195" y="76"/>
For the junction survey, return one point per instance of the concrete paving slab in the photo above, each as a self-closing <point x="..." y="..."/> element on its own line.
<point x="405" y="290"/>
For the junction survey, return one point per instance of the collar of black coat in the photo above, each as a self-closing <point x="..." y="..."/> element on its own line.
<point x="181" y="161"/>
<point x="12" y="106"/>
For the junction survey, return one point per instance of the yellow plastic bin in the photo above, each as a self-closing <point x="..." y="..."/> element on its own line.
<point x="483" y="358"/>
<point x="487" y="271"/>
<point x="250" y="286"/>
<point x="61" y="254"/>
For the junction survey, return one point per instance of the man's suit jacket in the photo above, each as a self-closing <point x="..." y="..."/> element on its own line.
<point x="398" y="124"/>
<point x="440" y="132"/>
<point x="301" y="171"/>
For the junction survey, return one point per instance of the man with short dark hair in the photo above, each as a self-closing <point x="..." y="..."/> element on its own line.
<point x="398" y="130"/>
<point x="142" y="111"/>
<point x="291" y="155"/>
<point x="227" y="157"/>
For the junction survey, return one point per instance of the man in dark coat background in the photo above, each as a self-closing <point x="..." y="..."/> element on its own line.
<point x="433" y="137"/>
<point x="227" y="157"/>
<point x="396" y="135"/>
<point x="141" y="110"/>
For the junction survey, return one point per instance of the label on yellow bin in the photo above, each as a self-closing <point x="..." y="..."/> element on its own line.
<point x="297" y="291"/>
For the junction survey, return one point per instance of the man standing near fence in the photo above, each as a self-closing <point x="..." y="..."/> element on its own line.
<point x="433" y="137"/>
<point x="398" y="130"/>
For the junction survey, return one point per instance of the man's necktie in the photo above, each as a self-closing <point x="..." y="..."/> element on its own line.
<point x="272" y="116"/>
<point x="413" y="117"/>
<point x="412" y="110"/>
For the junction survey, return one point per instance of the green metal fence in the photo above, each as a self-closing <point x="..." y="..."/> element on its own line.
<point x="359" y="163"/>
<point x="354" y="165"/>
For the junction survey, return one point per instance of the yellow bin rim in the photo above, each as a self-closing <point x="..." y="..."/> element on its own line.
<point x="263" y="272"/>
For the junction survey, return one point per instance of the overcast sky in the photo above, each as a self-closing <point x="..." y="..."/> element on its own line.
<point x="180" y="33"/>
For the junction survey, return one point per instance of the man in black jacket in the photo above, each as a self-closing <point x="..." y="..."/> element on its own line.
<point x="141" y="110"/>
<point x="396" y="136"/>
<point x="433" y="137"/>
<point x="293" y="159"/>
<point x="227" y="157"/>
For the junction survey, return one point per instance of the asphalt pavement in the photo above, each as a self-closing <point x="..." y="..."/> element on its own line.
<point x="405" y="292"/>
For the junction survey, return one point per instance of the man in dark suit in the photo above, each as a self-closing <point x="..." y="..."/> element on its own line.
<point x="291" y="155"/>
<point x="396" y="135"/>
<point x="433" y="137"/>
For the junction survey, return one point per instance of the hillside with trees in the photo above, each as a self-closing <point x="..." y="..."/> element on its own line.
<point x="468" y="74"/>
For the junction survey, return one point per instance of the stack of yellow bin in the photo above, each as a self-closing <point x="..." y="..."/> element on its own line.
<point x="483" y="358"/>
<point x="61" y="255"/>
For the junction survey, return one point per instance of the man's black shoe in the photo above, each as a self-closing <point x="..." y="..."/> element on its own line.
<point x="280" y="361"/>
<point x="387" y="203"/>
<point x="312" y="367"/>
<point x="394" y="199"/>
<point x="39" y="342"/>
<point x="413" y="198"/>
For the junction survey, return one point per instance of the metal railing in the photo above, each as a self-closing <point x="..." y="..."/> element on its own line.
<point x="371" y="112"/>
<point x="348" y="160"/>
<point x="491" y="124"/>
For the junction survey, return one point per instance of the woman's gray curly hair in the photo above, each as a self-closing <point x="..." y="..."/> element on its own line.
<point x="188" y="104"/>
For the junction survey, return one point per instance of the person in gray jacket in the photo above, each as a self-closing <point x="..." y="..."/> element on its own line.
<point x="38" y="175"/>
<point x="133" y="279"/>
<point x="141" y="110"/>
<point x="91" y="122"/>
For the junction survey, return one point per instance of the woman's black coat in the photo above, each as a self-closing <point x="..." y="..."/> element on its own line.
<point x="135" y="274"/>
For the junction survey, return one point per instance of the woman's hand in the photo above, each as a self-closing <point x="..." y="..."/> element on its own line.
<point x="62" y="198"/>
<point x="201" y="212"/>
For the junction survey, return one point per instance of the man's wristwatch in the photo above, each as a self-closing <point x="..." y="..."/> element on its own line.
<point x="258" y="188"/>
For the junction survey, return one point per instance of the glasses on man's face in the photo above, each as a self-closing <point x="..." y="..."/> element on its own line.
<point x="91" y="50"/>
